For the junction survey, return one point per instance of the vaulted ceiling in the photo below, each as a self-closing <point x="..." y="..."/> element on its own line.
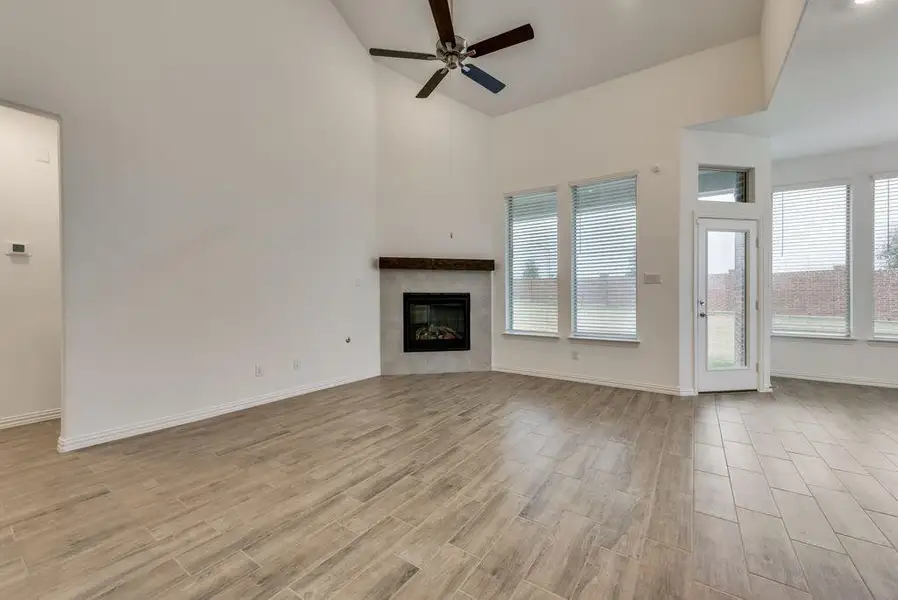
<point x="579" y="43"/>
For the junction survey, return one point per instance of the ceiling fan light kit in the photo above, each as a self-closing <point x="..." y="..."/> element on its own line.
<point x="453" y="51"/>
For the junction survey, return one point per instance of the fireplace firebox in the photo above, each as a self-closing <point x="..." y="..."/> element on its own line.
<point x="437" y="322"/>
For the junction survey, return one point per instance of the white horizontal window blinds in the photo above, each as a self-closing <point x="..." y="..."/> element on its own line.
<point x="812" y="261"/>
<point x="885" y="275"/>
<point x="532" y="263"/>
<point x="604" y="259"/>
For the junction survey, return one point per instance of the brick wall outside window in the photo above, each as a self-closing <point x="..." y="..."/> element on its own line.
<point x="815" y="293"/>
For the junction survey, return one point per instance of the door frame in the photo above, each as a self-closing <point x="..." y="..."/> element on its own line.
<point x="756" y="316"/>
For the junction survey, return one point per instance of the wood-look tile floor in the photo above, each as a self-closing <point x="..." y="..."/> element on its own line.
<point x="470" y="486"/>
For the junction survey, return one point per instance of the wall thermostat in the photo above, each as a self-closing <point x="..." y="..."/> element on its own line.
<point x="17" y="249"/>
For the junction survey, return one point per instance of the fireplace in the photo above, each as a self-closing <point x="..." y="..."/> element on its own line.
<point x="436" y="322"/>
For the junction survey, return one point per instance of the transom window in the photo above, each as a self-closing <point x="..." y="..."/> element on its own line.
<point x="723" y="185"/>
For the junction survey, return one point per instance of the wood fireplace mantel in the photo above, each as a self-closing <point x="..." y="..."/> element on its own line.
<point x="436" y="264"/>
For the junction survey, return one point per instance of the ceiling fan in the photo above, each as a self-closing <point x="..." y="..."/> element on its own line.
<point x="453" y="51"/>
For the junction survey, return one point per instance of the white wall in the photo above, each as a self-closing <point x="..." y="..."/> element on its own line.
<point x="630" y="124"/>
<point x="858" y="360"/>
<point x="30" y="292"/>
<point x="434" y="172"/>
<point x="706" y="148"/>
<point x="779" y="24"/>
<point x="219" y="190"/>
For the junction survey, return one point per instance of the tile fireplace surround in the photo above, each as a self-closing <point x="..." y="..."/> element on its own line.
<point x="400" y="276"/>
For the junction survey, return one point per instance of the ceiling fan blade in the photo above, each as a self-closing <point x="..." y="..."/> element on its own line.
<point x="442" y="16"/>
<point x="402" y="54"/>
<point x="483" y="78"/>
<point x="521" y="34"/>
<point x="432" y="83"/>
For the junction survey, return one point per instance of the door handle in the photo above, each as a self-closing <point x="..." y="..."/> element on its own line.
<point x="703" y="315"/>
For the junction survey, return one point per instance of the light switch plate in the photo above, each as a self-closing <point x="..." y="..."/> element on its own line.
<point x="651" y="278"/>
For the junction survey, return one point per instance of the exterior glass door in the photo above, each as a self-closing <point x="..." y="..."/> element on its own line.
<point x="726" y="311"/>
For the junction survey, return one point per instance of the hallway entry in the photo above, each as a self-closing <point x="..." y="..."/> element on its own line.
<point x="30" y="266"/>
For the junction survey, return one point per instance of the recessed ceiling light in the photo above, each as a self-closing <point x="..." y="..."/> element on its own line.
<point x="864" y="1"/>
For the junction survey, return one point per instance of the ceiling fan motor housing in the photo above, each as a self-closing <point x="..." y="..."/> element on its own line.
<point x="453" y="57"/>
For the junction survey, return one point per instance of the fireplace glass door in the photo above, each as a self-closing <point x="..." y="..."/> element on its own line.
<point x="437" y="322"/>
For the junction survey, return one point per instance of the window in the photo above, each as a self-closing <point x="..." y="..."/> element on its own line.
<point x="722" y="185"/>
<point x="532" y="263"/>
<point x="604" y="259"/>
<point x="885" y="276"/>
<point x="811" y="261"/>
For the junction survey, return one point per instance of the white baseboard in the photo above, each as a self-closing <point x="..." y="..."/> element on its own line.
<point x="28" y="419"/>
<point x="119" y="433"/>
<point x="627" y="385"/>
<point x="836" y="379"/>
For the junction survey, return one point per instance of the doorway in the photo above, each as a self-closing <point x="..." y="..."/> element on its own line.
<point x="727" y="305"/>
<point x="30" y="268"/>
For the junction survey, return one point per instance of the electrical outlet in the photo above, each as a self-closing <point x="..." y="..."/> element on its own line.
<point x="259" y="371"/>
<point x="575" y="355"/>
<point x="297" y="365"/>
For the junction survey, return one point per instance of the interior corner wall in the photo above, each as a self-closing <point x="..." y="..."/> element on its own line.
<point x="434" y="172"/>
<point x="709" y="148"/>
<point x="630" y="124"/>
<point x="219" y="201"/>
<point x="30" y="287"/>
<point x="779" y="24"/>
<point x="858" y="360"/>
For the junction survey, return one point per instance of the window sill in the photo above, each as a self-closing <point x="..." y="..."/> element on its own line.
<point x="531" y="334"/>
<point x="814" y="338"/>
<point x="605" y="340"/>
<point x="883" y="341"/>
